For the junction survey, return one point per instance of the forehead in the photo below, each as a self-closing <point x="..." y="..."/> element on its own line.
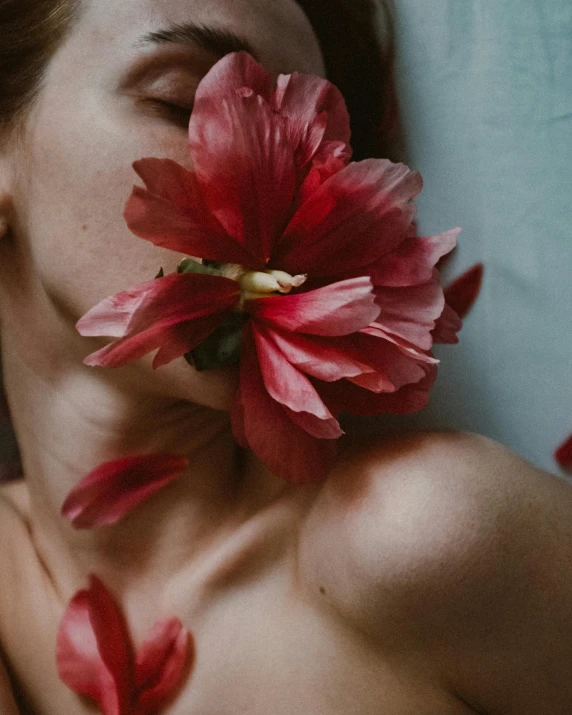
<point x="278" y="30"/>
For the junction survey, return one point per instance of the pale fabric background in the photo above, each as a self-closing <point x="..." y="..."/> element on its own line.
<point x="486" y="93"/>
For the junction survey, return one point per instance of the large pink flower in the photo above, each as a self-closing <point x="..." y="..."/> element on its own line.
<point x="95" y="656"/>
<point x="314" y="260"/>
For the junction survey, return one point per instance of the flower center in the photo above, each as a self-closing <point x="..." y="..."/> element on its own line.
<point x="259" y="284"/>
<point x="253" y="284"/>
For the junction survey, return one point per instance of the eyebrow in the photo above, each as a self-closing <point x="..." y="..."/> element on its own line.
<point x="219" y="42"/>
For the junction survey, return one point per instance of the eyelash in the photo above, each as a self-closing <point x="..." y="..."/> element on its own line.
<point x="181" y="115"/>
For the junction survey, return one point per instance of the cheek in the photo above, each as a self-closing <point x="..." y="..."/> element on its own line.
<point x="76" y="182"/>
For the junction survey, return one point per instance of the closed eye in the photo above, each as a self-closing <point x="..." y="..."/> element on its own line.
<point x="177" y="113"/>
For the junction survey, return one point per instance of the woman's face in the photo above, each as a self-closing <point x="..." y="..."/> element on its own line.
<point x="104" y="104"/>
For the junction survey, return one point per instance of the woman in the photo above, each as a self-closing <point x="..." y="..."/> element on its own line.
<point x="430" y="574"/>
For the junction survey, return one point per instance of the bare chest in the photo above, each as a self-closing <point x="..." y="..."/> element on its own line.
<point x="263" y="644"/>
<point x="265" y="650"/>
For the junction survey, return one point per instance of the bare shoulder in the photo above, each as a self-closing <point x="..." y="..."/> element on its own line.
<point x="456" y="547"/>
<point x="417" y="514"/>
<point x="421" y="505"/>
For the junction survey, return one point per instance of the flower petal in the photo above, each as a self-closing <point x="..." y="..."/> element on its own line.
<point x="314" y="107"/>
<point x="318" y="358"/>
<point x="403" y="346"/>
<point x="291" y="388"/>
<point x="347" y="397"/>
<point x="311" y="103"/>
<point x="413" y="261"/>
<point x="245" y="166"/>
<point x="337" y="309"/>
<point x="563" y="454"/>
<point x="447" y="326"/>
<point x="464" y="291"/>
<point x="332" y="158"/>
<point x="177" y="297"/>
<point x="160" y="665"/>
<point x="112" y="637"/>
<point x="114" y="489"/>
<point x="175" y="313"/>
<point x="411" y="313"/>
<point x="234" y="72"/>
<point x="359" y="214"/>
<point x="185" y="337"/>
<point x="173" y="339"/>
<point x="113" y="315"/>
<point x="93" y="652"/>
<point x="287" y="449"/>
<point x="79" y="662"/>
<point x="398" y="368"/>
<point x="171" y="213"/>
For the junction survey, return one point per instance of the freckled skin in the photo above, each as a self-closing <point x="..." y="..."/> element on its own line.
<point x="375" y="593"/>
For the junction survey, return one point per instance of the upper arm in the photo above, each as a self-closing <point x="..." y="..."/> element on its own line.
<point x="508" y="637"/>
<point x="11" y="531"/>
<point x="461" y="553"/>
<point x="7" y="702"/>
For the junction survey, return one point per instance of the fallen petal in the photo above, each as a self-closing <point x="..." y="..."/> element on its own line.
<point x="160" y="665"/>
<point x="114" y="489"/>
<point x="563" y="454"/>
<point x="464" y="291"/>
<point x="93" y="654"/>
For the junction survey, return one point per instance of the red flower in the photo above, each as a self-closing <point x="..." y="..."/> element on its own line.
<point x="95" y="656"/>
<point x="114" y="489"/>
<point x="319" y="256"/>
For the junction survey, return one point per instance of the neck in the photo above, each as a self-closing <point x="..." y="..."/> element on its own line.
<point x="67" y="427"/>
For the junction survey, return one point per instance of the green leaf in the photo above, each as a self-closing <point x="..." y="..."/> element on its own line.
<point x="189" y="265"/>
<point x="222" y="348"/>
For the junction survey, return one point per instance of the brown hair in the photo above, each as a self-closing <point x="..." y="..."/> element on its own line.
<point x="31" y="32"/>
<point x="359" y="60"/>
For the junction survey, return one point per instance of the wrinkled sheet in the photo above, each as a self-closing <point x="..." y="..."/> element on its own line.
<point x="486" y="94"/>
